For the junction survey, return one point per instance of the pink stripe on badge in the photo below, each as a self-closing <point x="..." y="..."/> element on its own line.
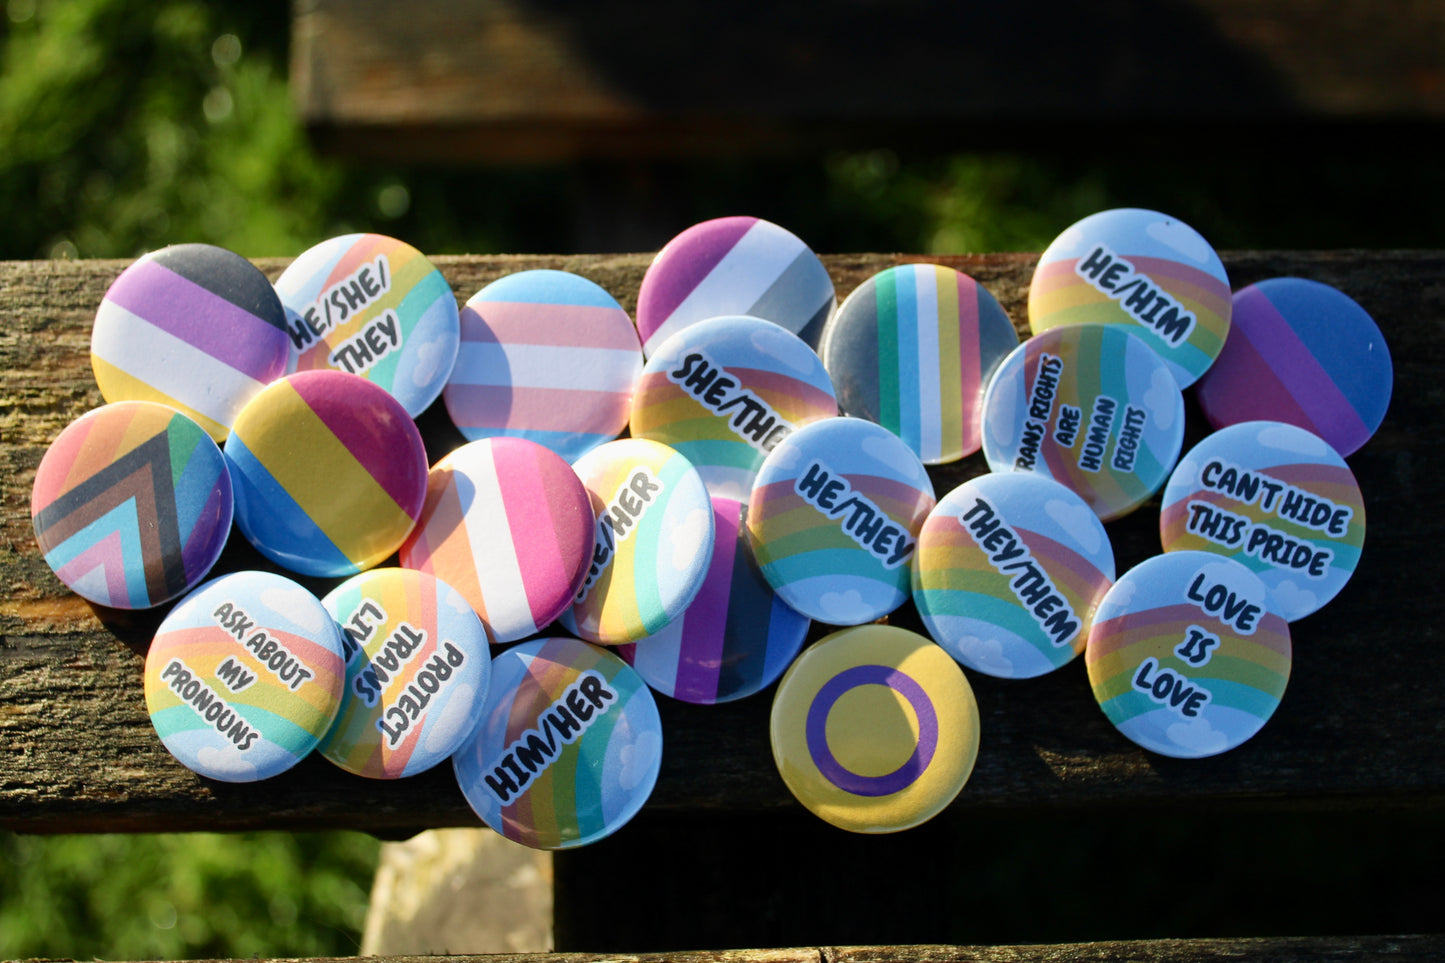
<point x="542" y="409"/>
<point x="556" y="325"/>
<point x="704" y="627"/>
<point x="199" y="317"/>
<point x="542" y="507"/>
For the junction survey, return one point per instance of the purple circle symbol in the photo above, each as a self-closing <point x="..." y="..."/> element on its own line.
<point x="817" y="735"/>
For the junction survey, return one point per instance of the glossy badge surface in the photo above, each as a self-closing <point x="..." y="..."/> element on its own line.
<point x="244" y="676"/>
<point x="875" y="729"/>
<point x="568" y="747"/>
<point x="1275" y="498"/>
<point x="330" y="473"/>
<point x="653" y="541"/>
<point x="1185" y="658"/>
<point x="131" y="504"/>
<point x="1305" y="353"/>
<point x="1091" y="406"/>
<point x="373" y="306"/>
<point x="1142" y="269"/>
<point x="1009" y="569"/>
<point x="912" y="348"/>
<point x="725" y="391"/>
<point x="509" y="525"/>
<point x="547" y="356"/>
<point x="735" y="638"/>
<point x="192" y="326"/>
<point x="834" y="519"/>
<point x="417" y="667"/>
<point x="729" y="266"/>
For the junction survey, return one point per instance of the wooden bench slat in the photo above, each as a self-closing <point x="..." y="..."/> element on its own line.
<point x="1361" y="723"/>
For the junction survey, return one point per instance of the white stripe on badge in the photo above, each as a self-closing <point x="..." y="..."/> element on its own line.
<point x="930" y="392"/>
<point x="498" y="572"/>
<point x="546" y="366"/>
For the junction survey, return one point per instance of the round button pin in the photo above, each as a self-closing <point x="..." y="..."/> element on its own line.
<point x="330" y="473"/>
<point x="1185" y="657"/>
<point x="132" y="504"/>
<point x="1305" y="353"/>
<point x="417" y="668"/>
<point x="735" y="638"/>
<point x="1142" y="269"/>
<point x="547" y="356"/>
<point x="834" y="519"/>
<point x="912" y="348"/>
<point x="1275" y="498"/>
<point x="509" y="525"/>
<point x="1091" y="406"/>
<point x="568" y="747"/>
<point x="194" y="327"/>
<point x="1008" y="572"/>
<point x="729" y="266"/>
<point x="244" y="676"/>
<point x="653" y="542"/>
<point x="725" y="391"/>
<point x="875" y="729"/>
<point x="372" y="306"/>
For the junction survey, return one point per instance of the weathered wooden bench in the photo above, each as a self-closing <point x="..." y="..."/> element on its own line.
<point x="722" y="856"/>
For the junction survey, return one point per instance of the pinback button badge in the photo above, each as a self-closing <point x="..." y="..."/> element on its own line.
<point x="874" y="729"/>
<point x="1185" y="657"/>
<point x="1008" y="571"/>
<point x="509" y="525"/>
<point x="373" y="306"/>
<point x="912" y="348"/>
<point x="1142" y="269"/>
<point x="244" y="676"/>
<point x="192" y="326"/>
<point x="834" y="519"/>
<point x="1305" y="353"/>
<point x="725" y="391"/>
<point x="735" y="638"/>
<point x="653" y="543"/>
<point x="568" y="747"/>
<point x="547" y="356"/>
<point x="330" y="473"/>
<point x="1275" y="498"/>
<point x="730" y="266"/>
<point x="1091" y="406"/>
<point x="417" y="667"/>
<point x="131" y="504"/>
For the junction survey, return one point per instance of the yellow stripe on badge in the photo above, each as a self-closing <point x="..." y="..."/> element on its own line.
<point x="336" y="491"/>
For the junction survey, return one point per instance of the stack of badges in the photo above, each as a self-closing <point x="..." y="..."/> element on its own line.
<point x="244" y="676"/>
<point x="912" y="348"/>
<point x="372" y="306"/>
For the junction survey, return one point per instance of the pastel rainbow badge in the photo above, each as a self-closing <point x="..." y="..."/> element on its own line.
<point x="191" y="326"/>
<point x="875" y="729"/>
<point x="912" y="348"/>
<point x="730" y="266"/>
<point x="834" y="519"/>
<point x="1304" y="353"/>
<point x="725" y="391"/>
<point x="509" y="525"/>
<point x="417" y="668"/>
<point x="1009" y="569"/>
<point x="1091" y="406"/>
<point x="548" y="356"/>
<point x="653" y="544"/>
<point x="1143" y="269"/>
<point x="1275" y="498"/>
<point x="244" y="676"/>
<point x="735" y="638"/>
<point x="372" y="306"/>
<point x="132" y="504"/>
<point x="330" y="473"/>
<point x="1185" y="656"/>
<point x="568" y="747"/>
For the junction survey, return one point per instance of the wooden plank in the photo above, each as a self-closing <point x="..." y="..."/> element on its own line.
<point x="1360" y="725"/>
<point x="529" y="80"/>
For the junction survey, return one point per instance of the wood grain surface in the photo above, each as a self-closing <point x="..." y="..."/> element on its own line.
<point x="1362" y="723"/>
